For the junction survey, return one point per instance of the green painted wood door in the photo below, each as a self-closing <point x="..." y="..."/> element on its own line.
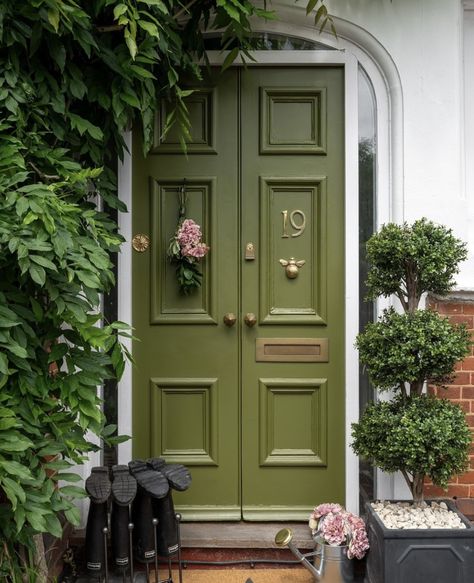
<point x="256" y="410"/>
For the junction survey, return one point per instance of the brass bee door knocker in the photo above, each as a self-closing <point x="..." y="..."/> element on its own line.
<point x="292" y="266"/>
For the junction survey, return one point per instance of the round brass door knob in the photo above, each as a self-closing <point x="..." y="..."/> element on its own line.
<point x="250" y="319"/>
<point x="230" y="319"/>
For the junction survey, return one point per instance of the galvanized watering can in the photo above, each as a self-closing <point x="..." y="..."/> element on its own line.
<point x="329" y="564"/>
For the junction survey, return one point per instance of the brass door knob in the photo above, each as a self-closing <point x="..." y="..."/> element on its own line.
<point x="250" y="319"/>
<point x="230" y="319"/>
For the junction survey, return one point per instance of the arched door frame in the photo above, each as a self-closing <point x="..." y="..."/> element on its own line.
<point x="353" y="48"/>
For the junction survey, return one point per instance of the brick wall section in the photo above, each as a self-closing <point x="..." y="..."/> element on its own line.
<point x="461" y="392"/>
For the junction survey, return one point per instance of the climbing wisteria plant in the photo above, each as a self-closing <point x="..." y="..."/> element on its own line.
<point x="75" y="75"/>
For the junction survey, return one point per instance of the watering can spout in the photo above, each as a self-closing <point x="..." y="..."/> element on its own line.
<point x="284" y="538"/>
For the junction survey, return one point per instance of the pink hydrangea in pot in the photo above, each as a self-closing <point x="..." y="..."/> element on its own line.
<point x="331" y="524"/>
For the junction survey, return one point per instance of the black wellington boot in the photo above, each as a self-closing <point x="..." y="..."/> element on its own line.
<point x="98" y="488"/>
<point x="178" y="478"/>
<point x="151" y="485"/>
<point x="124" y="490"/>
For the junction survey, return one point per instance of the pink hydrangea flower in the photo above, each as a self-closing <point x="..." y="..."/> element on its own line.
<point x="189" y="238"/>
<point x="189" y="233"/>
<point x="333" y="529"/>
<point x="324" y="509"/>
<point x="336" y="526"/>
<point x="198" y="251"/>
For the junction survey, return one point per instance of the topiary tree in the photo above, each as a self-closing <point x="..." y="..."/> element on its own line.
<point x="415" y="433"/>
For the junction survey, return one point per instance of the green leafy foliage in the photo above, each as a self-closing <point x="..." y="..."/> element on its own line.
<point x="411" y="348"/>
<point x="409" y="260"/>
<point x="421" y="435"/>
<point x="75" y="75"/>
<point x="416" y="434"/>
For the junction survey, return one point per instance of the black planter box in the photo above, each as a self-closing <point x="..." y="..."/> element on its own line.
<point x="419" y="556"/>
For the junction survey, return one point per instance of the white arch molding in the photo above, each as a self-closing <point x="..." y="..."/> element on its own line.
<point x="354" y="47"/>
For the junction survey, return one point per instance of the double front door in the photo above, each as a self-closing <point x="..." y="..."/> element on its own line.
<point x="243" y="379"/>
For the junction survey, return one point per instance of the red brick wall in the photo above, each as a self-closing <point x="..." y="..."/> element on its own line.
<point x="461" y="392"/>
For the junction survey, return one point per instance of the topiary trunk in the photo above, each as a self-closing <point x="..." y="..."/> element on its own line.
<point x="417" y="488"/>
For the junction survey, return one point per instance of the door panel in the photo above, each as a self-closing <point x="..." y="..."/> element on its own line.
<point x="292" y="176"/>
<point x="256" y="412"/>
<point x="186" y="379"/>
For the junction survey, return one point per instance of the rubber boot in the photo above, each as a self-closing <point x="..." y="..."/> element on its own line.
<point x="98" y="488"/>
<point x="178" y="478"/>
<point x="151" y="485"/>
<point x="124" y="490"/>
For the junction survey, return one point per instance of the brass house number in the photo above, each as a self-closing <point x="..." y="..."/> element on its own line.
<point x="297" y="222"/>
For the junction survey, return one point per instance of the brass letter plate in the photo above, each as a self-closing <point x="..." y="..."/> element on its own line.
<point x="291" y="350"/>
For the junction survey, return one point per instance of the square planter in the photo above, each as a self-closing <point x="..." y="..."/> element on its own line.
<point x="419" y="556"/>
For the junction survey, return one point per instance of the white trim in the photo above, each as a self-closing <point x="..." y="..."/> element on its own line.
<point x="124" y="300"/>
<point x="358" y="46"/>
<point x="351" y="207"/>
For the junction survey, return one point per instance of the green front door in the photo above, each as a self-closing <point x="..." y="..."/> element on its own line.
<point x="256" y="410"/>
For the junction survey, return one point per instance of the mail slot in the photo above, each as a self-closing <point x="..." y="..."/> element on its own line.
<point x="291" y="350"/>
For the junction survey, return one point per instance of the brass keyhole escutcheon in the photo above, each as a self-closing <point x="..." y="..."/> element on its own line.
<point x="140" y="242"/>
<point x="292" y="266"/>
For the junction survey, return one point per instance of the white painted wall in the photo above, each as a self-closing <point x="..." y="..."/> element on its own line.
<point x="427" y="40"/>
<point x="468" y="111"/>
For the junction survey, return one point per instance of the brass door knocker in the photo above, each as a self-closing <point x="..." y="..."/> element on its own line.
<point x="292" y="266"/>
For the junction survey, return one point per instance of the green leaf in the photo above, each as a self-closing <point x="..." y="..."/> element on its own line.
<point x="38" y="274"/>
<point x="109" y="430"/>
<point x="73" y="491"/>
<point x="141" y="72"/>
<point x="230" y="58"/>
<point x="53" y="17"/>
<point x="37" y="309"/>
<point x="15" y="488"/>
<point x="43" y="261"/>
<point x="149" y="27"/>
<point x="73" y="516"/>
<point x="68" y="477"/>
<point x="3" y="363"/>
<point x="16" y="469"/>
<point x="8" y="423"/>
<point x="131" y="43"/>
<point x="158" y="3"/>
<point x="14" y="446"/>
<point x="17" y="350"/>
<point x="37" y="521"/>
<point x="311" y="5"/>
<point x="83" y="125"/>
<point x="119" y="10"/>
<point x="53" y="525"/>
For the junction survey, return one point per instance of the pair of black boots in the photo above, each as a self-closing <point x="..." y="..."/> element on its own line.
<point x="122" y="490"/>
<point x="142" y="503"/>
<point x="154" y="501"/>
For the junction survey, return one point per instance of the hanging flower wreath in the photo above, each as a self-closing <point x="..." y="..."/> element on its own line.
<point x="186" y="248"/>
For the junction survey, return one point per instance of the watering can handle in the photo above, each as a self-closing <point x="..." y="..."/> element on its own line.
<point x="284" y="538"/>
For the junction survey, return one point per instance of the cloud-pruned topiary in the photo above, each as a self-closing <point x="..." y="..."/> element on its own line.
<point x="415" y="433"/>
<point x="409" y="260"/>
<point x="409" y="349"/>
